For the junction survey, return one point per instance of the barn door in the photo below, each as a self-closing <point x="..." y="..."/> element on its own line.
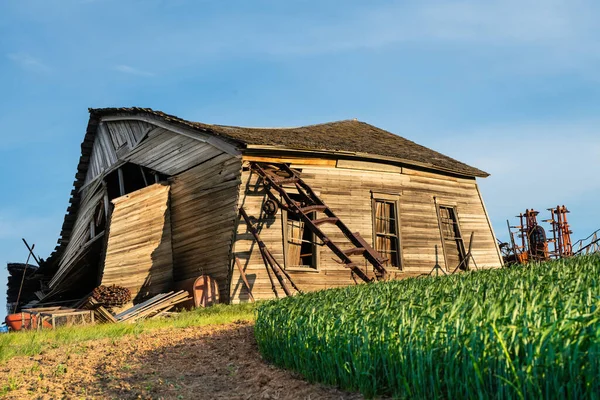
<point x="454" y="246"/>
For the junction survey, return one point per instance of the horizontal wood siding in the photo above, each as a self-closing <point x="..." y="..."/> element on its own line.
<point x="138" y="254"/>
<point x="203" y="212"/>
<point x="348" y="192"/>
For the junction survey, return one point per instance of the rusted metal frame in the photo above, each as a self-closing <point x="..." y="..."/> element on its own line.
<point x="594" y="240"/>
<point x="292" y="206"/>
<point x="523" y="230"/>
<point x="281" y="269"/>
<point x="512" y="241"/>
<point x="266" y="255"/>
<point x="369" y="253"/>
<point x="555" y="231"/>
<point x="565" y="232"/>
<point x="265" y="262"/>
<point x="593" y="244"/>
<point x="354" y="238"/>
<point x="244" y="278"/>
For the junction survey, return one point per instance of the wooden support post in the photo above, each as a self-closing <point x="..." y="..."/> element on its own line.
<point x="92" y="230"/>
<point x="144" y="176"/>
<point x="121" y="182"/>
<point x="106" y="203"/>
<point x="244" y="278"/>
<point x="469" y="254"/>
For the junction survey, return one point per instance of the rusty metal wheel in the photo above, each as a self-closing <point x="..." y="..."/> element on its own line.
<point x="270" y="207"/>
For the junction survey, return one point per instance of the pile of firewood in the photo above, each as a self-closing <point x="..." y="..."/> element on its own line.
<point x="112" y="296"/>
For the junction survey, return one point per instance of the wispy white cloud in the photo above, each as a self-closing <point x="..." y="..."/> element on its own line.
<point x="132" y="71"/>
<point x="27" y="61"/>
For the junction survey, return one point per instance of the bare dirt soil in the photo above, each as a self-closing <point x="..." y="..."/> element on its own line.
<point x="210" y="362"/>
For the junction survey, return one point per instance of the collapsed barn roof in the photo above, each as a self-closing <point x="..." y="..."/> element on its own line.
<point x="349" y="138"/>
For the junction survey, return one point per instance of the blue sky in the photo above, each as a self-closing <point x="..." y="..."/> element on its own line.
<point x="511" y="87"/>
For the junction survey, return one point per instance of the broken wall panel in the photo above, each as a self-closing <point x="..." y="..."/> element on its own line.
<point x="203" y="212"/>
<point x="90" y="201"/>
<point x="127" y="133"/>
<point x="138" y="255"/>
<point x="170" y="153"/>
<point x="103" y="156"/>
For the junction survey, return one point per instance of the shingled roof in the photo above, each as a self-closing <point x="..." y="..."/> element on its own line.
<point x="348" y="136"/>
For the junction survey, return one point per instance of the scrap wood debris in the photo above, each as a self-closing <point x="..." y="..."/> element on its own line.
<point x="112" y="296"/>
<point x="153" y="307"/>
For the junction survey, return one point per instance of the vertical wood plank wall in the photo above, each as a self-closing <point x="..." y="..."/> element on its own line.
<point x="347" y="191"/>
<point x="203" y="211"/>
<point x="138" y="255"/>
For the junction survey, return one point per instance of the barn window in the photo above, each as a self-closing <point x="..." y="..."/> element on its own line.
<point x="386" y="236"/>
<point x="300" y="246"/>
<point x="454" y="246"/>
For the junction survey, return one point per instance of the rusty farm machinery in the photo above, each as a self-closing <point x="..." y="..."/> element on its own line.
<point x="529" y="241"/>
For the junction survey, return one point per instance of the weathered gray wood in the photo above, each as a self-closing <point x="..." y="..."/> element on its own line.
<point x="121" y="182"/>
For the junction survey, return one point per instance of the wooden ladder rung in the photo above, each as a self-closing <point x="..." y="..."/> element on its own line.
<point x="355" y="250"/>
<point x="328" y="220"/>
<point x="313" y="208"/>
<point x="285" y="180"/>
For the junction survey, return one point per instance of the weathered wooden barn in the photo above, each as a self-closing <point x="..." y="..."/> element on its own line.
<point x="156" y="201"/>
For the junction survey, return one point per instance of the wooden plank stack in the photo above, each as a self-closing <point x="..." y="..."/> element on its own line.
<point x="111" y="296"/>
<point x="101" y="314"/>
<point x="154" y="306"/>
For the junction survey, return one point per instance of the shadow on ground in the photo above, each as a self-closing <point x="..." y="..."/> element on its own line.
<point x="218" y="362"/>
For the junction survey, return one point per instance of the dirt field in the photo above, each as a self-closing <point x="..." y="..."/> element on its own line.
<point x="210" y="362"/>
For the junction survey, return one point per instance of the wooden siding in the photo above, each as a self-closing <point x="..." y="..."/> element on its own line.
<point x="145" y="144"/>
<point x="348" y="192"/>
<point x="103" y="155"/>
<point x="80" y="235"/>
<point x="203" y="212"/>
<point x="170" y="153"/>
<point x="138" y="254"/>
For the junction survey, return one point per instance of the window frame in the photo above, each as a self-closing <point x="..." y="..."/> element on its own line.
<point x="394" y="199"/>
<point x="454" y="208"/>
<point x="316" y="249"/>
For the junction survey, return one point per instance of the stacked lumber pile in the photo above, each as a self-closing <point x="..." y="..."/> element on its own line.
<point x="112" y="296"/>
<point x="153" y="307"/>
<point x="101" y="314"/>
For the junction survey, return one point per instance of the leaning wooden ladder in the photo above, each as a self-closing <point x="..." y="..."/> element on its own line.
<point x="269" y="260"/>
<point x="275" y="176"/>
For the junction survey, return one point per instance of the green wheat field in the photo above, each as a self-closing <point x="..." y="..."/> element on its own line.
<point x="527" y="332"/>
